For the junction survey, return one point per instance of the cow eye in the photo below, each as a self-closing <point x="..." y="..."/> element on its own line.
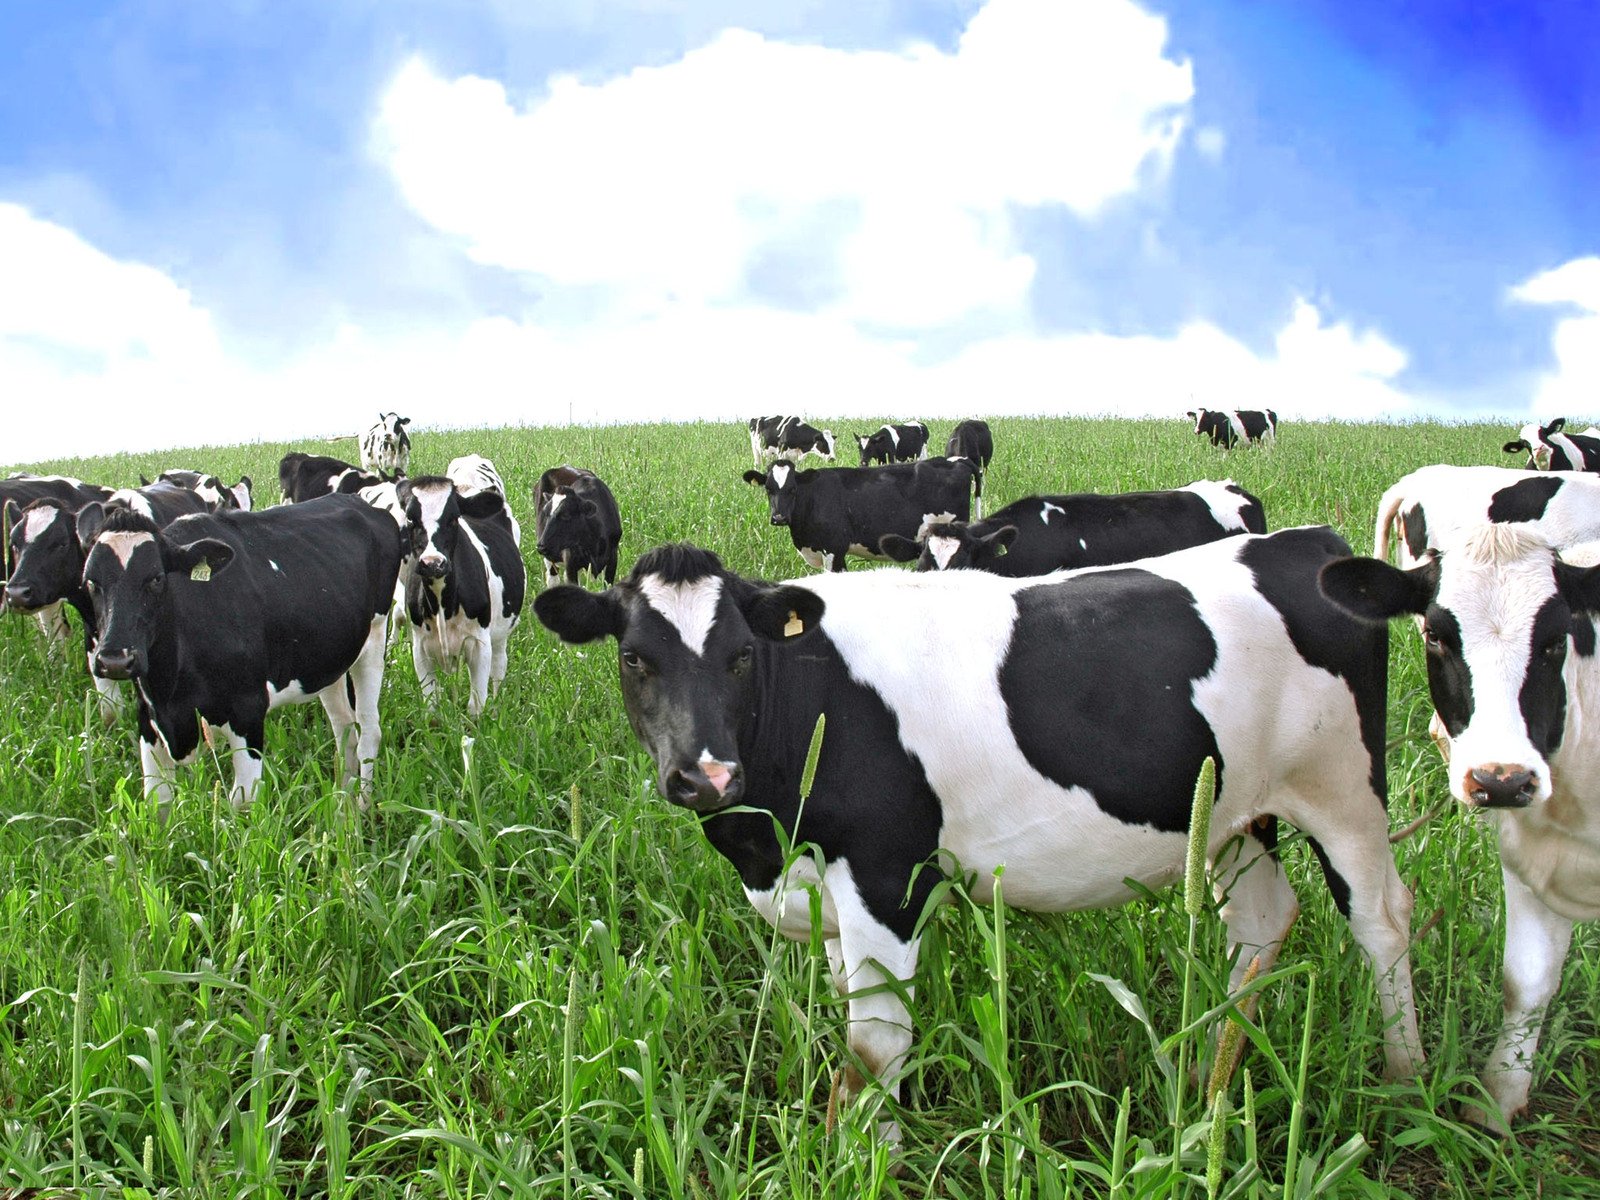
<point x="1430" y="638"/>
<point x="153" y="584"/>
<point x="742" y="660"/>
<point x="1556" y="648"/>
<point x="632" y="661"/>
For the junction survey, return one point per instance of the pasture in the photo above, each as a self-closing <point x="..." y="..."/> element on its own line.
<point x="522" y="973"/>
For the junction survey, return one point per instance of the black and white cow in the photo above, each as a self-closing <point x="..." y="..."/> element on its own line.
<point x="16" y="493"/>
<point x="386" y="447"/>
<point x="972" y="441"/>
<point x="894" y="443"/>
<point x="836" y="511"/>
<point x="789" y="438"/>
<point x="466" y="589"/>
<point x="764" y="436"/>
<point x="576" y="525"/>
<point x="1509" y="628"/>
<point x="226" y="615"/>
<point x="1551" y="448"/>
<point x="1227" y="428"/>
<point x="216" y="493"/>
<point x="1057" y="733"/>
<point x="1040" y="534"/>
<point x="306" y="476"/>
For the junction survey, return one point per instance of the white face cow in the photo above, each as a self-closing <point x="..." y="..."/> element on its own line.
<point x="386" y="447"/>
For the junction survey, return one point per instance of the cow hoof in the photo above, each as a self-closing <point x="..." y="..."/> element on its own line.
<point x="1486" y="1118"/>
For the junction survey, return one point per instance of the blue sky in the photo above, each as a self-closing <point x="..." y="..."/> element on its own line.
<point x="269" y="220"/>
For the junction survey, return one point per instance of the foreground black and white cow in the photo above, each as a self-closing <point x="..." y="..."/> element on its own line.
<point x="466" y="588"/>
<point x="972" y="441"/>
<point x="1039" y="534"/>
<point x="386" y="447"/>
<point x="894" y="443"/>
<point x="1432" y="502"/>
<point x="1056" y="732"/>
<point x="1509" y="628"/>
<point x="1227" y="428"/>
<point x="226" y="615"/>
<point x="16" y="493"/>
<point x="836" y="511"/>
<point x="576" y="525"/>
<point x="211" y="488"/>
<point x="306" y="476"/>
<point x="1551" y="448"/>
<point x="789" y="438"/>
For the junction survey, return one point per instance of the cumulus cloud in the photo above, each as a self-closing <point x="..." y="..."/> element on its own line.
<point x="1574" y="385"/>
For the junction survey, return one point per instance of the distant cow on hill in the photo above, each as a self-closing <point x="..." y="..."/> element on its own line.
<point x="386" y="447"/>
<point x="894" y="443"/>
<point x="576" y="526"/>
<point x="1228" y="428"/>
<point x="790" y="438"/>
<point x="1551" y="448"/>
<point x="307" y="476"/>
<point x="972" y="441"/>
<point x="210" y="488"/>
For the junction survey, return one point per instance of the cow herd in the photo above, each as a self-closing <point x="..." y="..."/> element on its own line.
<point x="1037" y="695"/>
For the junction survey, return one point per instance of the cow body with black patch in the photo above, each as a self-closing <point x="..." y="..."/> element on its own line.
<point x="1040" y="534"/>
<point x="789" y="438"/>
<point x="1551" y="448"/>
<point x="1509" y="629"/>
<point x="224" y="616"/>
<point x="16" y="493"/>
<point x="837" y="511"/>
<point x="466" y="588"/>
<point x="894" y="443"/>
<point x="386" y="447"/>
<point x="305" y="476"/>
<point x="973" y="441"/>
<point x="1227" y="428"/>
<point x="1433" y="502"/>
<point x="1013" y="746"/>
<point x="210" y="488"/>
<point x="576" y="525"/>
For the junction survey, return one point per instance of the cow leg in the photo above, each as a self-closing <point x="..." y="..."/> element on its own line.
<point x="422" y="660"/>
<point x="813" y="557"/>
<point x="159" y="771"/>
<point x="53" y="622"/>
<point x="480" y="656"/>
<point x="1258" y="904"/>
<point x="358" y="750"/>
<point x="110" y="693"/>
<point x="245" y="748"/>
<point x="1536" y="947"/>
<point x="497" y="660"/>
<point x="571" y="568"/>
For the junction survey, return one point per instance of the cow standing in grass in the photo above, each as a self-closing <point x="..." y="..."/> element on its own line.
<point x="576" y="525"/>
<point x="1053" y="728"/>
<point x="972" y="441"/>
<point x="16" y="493"/>
<point x="386" y="447"/>
<point x="894" y="443"/>
<point x="1228" y="428"/>
<point x="1551" y="448"/>
<point x="306" y="476"/>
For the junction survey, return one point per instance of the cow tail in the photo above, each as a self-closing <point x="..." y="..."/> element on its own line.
<point x="1388" y="510"/>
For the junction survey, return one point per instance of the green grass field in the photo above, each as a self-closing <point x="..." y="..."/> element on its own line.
<point x="521" y="973"/>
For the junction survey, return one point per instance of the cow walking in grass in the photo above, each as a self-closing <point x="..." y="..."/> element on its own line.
<point x="576" y="525"/>
<point x="972" y="441"/>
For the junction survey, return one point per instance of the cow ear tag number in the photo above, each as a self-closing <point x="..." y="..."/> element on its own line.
<point x="201" y="572"/>
<point x="794" y="626"/>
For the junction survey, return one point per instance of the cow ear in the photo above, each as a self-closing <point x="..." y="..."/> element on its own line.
<point x="755" y="477"/>
<point x="143" y="482"/>
<point x="90" y="517"/>
<point x="403" y="421"/>
<point x="1375" y="591"/>
<point x="861" y="440"/>
<point x="480" y="505"/>
<point x="1579" y="586"/>
<point x="1000" y="538"/>
<point x="1514" y="447"/>
<point x="1190" y="414"/>
<point x="899" y="548"/>
<point x="578" y="616"/>
<point x="782" y="612"/>
<point x="199" y="560"/>
<point x="590" y="508"/>
<point x="402" y="492"/>
<point x="1555" y="426"/>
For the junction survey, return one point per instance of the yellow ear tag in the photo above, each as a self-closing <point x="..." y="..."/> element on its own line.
<point x="794" y="626"/>
<point x="201" y="572"/>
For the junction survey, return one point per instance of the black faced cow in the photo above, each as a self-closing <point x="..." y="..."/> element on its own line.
<point x="836" y="511"/>
<point x="1509" y="629"/>
<point x="1227" y="428"/>
<point x="16" y="493"/>
<point x="306" y="476"/>
<point x="1056" y="732"/>
<point x="972" y="441"/>
<point x="576" y="525"/>
<point x="225" y="615"/>
<point x="1551" y="448"/>
<point x="386" y="447"/>
<point x="789" y="438"/>
<point x="215" y="493"/>
<point x="465" y="591"/>
<point x="894" y="443"/>
<point x="1040" y="534"/>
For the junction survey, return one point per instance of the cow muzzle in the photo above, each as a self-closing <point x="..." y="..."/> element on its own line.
<point x="118" y="664"/>
<point x="19" y="597"/>
<point x="433" y="566"/>
<point x="705" y="787"/>
<point x="1500" y="785"/>
<point x="780" y="519"/>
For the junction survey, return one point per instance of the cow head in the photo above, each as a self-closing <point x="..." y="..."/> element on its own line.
<point x="127" y="571"/>
<point x="782" y="488"/>
<point x="46" y="557"/>
<point x="1547" y="446"/>
<point x="828" y="445"/>
<point x="566" y="522"/>
<point x="433" y="510"/>
<point x="1498" y="607"/>
<point x="949" y="546"/>
<point x="390" y="445"/>
<point x="690" y="641"/>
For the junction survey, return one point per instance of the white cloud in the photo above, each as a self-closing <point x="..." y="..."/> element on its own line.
<point x="1574" y="385"/>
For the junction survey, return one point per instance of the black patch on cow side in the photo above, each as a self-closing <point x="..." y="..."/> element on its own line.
<point x="1414" y="527"/>
<point x="1525" y="500"/>
<point x="1098" y="682"/>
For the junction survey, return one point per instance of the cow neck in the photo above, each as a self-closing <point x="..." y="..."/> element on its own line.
<point x="163" y="670"/>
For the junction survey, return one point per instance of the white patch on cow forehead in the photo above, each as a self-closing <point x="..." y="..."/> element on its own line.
<point x="37" y="521"/>
<point x="691" y="608"/>
<point x="943" y="550"/>
<point x="431" y="501"/>
<point x="1044" y="513"/>
<point x="780" y="474"/>
<point x="124" y="542"/>
<point x="555" y="502"/>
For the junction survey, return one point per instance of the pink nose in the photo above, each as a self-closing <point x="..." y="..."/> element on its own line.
<point x="718" y="774"/>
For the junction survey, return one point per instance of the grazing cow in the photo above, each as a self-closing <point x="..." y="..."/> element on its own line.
<point x="1056" y="733"/>
<point x="1431" y="502"/>
<point x="1551" y="448"/>
<point x="764" y="436"/>
<point x="215" y="493"/>
<point x="576" y="526"/>
<point x="465" y="592"/>
<point x="1509" y="628"/>
<point x="306" y="476"/>
<point x="1228" y="428"/>
<point x="225" y="615"/>
<point x="837" y="511"/>
<point x="1048" y="533"/>
<point x="386" y="447"/>
<point x="894" y="443"/>
<point x="972" y="441"/>
<point x="16" y="493"/>
<point x="790" y="438"/>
